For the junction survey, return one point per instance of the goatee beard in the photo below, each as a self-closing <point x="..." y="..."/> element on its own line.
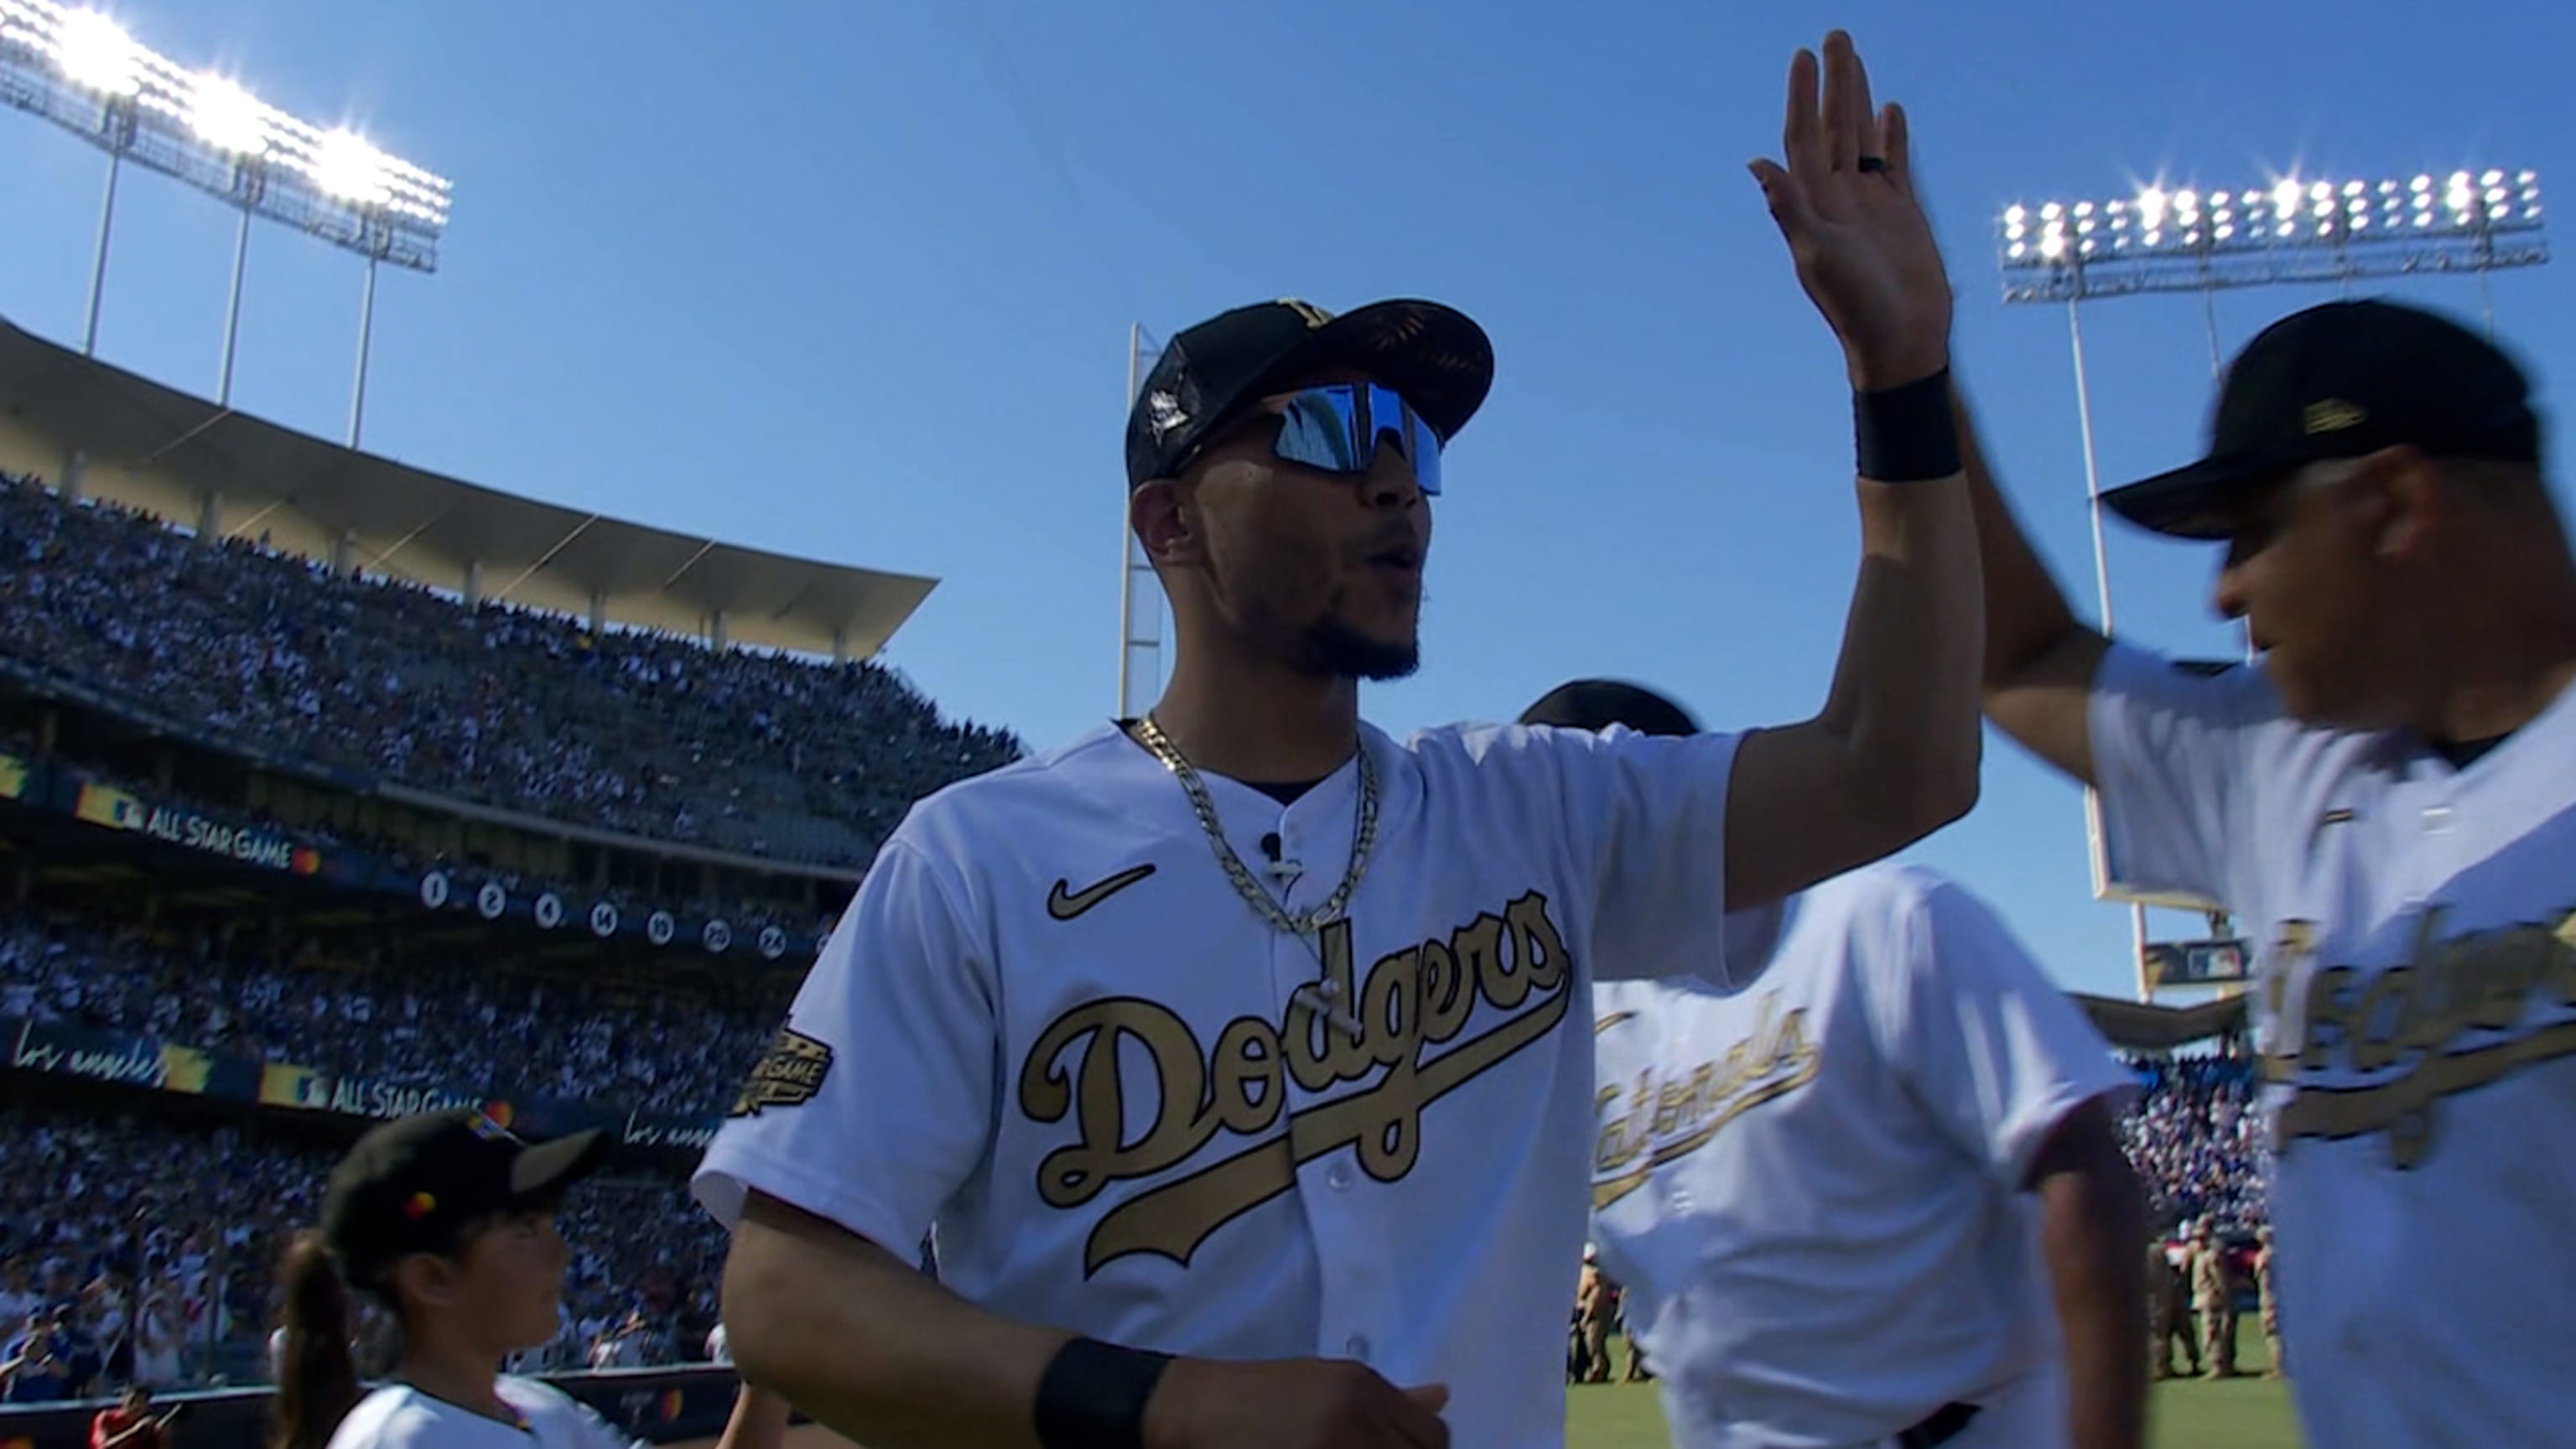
<point x="1337" y="651"/>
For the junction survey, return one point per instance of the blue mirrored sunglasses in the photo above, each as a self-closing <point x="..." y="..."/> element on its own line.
<point x="1335" y="428"/>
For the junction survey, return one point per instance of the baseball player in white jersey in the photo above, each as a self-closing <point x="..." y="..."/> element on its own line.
<point x="1241" y="1052"/>
<point x="2387" y="801"/>
<point x="1842" y="1200"/>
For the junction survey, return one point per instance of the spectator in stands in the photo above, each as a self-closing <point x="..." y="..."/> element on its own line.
<point x="156" y="1342"/>
<point x="18" y="1295"/>
<point x="628" y="1345"/>
<point x="33" y="1369"/>
<point x="131" y="1424"/>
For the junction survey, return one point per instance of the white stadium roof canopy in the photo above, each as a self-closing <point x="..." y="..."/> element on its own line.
<point x="150" y="447"/>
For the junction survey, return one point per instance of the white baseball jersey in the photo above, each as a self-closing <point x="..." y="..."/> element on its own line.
<point x="1049" y="1021"/>
<point x="2414" y="928"/>
<point x="1811" y="1188"/>
<point x="399" y="1416"/>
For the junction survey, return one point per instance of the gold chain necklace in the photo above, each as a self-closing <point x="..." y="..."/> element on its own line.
<point x="1363" y="836"/>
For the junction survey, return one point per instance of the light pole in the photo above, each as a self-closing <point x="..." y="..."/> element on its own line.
<point x="1140" y="597"/>
<point x="79" y="70"/>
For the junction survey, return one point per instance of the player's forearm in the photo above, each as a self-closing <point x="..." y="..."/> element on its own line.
<point x="2094" y="1218"/>
<point x="861" y="1342"/>
<point x="2026" y="612"/>
<point x="1905" y="691"/>
<point x="759" y="1421"/>
<point x="1894" y="754"/>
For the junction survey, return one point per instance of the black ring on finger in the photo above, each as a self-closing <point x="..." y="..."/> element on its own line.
<point x="1873" y="163"/>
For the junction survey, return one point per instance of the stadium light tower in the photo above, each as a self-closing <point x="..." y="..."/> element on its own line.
<point x="2290" y="230"/>
<point x="80" y="70"/>
<point x="1140" y="600"/>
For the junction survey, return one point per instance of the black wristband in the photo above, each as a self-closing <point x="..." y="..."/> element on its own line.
<point x="1907" y="434"/>
<point x="1093" y="1395"/>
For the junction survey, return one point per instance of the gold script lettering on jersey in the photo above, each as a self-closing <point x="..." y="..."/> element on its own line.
<point x="1409" y="1002"/>
<point x="1669" y="1119"/>
<point x="2410" y="1023"/>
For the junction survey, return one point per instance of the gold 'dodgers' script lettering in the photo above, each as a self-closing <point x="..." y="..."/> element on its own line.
<point x="1409" y="1001"/>
<point x="2479" y="980"/>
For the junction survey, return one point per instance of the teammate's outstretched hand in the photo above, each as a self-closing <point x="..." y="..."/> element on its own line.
<point x="1295" y="1403"/>
<point x="1845" y="203"/>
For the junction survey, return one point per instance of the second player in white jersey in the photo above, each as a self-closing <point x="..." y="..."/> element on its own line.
<point x="2387" y="802"/>
<point x="1826" y="1194"/>
<point x="1820" y="1193"/>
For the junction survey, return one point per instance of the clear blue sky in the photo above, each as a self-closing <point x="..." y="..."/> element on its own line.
<point x="855" y="281"/>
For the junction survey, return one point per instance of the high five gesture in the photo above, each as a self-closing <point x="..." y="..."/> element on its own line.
<point x="1894" y="753"/>
<point x="1845" y="203"/>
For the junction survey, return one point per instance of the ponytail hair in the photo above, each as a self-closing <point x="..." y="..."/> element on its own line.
<point x="317" y="1381"/>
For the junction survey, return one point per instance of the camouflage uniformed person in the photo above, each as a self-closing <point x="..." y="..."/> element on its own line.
<point x="2168" y="1314"/>
<point x="2271" y="1306"/>
<point x="2213" y="1300"/>
<point x="1598" y="1300"/>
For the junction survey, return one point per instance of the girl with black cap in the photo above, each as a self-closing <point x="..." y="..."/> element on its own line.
<point x="448" y="1222"/>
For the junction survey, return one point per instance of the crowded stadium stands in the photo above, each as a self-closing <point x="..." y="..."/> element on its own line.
<point x="154" y="1245"/>
<point x="139" y="1227"/>
<point x="2197" y="1142"/>
<point x="651" y="735"/>
<point x="431" y="1022"/>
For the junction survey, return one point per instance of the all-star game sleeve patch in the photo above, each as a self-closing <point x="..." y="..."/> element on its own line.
<point x="788" y="1076"/>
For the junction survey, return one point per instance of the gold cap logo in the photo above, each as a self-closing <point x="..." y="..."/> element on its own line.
<point x="1315" y="316"/>
<point x="2334" y="415"/>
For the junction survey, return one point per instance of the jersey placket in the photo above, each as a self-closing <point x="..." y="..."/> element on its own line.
<point x="1341" y="1210"/>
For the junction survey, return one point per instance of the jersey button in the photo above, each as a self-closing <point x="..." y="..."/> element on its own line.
<point x="1357" y="1346"/>
<point x="1338" y="1176"/>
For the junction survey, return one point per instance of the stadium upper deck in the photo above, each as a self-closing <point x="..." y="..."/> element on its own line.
<point x="97" y="431"/>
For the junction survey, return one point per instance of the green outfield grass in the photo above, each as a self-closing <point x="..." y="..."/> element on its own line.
<point x="2246" y="1413"/>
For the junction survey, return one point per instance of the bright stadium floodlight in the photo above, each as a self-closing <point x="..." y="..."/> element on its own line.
<point x="95" y="54"/>
<point x="227" y="118"/>
<point x="2296" y="229"/>
<point x="80" y="70"/>
<point x="347" y="167"/>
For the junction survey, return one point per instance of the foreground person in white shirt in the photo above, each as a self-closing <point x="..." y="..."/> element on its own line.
<point x="1840" y="1199"/>
<point x="1236" y="1051"/>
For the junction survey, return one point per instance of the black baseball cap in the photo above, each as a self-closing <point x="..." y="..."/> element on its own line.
<point x="2340" y="380"/>
<point x="412" y="1184"/>
<point x="1433" y="356"/>
<point x="1597" y="704"/>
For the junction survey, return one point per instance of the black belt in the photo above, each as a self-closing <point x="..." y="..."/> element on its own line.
<point x="1944" y="1424"/>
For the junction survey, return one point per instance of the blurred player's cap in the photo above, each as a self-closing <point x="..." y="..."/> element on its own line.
<point x="2340" y="380"/>
<point x="411" y="1185"/>
<point x="1433" y="356"/>
<point x="1595" y="705"/>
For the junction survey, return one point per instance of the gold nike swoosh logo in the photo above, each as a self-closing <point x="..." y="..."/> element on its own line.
<point x="1603" y="1024"/>
<point x="1064" y="905"/>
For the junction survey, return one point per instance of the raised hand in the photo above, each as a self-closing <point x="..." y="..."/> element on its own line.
<point x="1845" y="204"/>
